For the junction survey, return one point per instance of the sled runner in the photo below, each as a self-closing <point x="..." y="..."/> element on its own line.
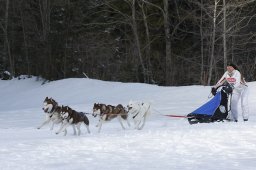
<point x="216" y="109"/>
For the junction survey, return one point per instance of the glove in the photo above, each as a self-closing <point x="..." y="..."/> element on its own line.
<point x="214" y="91"/>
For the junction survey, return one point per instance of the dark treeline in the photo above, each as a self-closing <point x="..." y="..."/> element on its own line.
<point x="165" y="42"/>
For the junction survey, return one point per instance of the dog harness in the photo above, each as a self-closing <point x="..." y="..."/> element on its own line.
<point x="136" y="114"/>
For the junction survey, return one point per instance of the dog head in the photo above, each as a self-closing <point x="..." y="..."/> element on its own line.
<point x="65" y="112"/>
<point x="49" y="104"/>
<point x="98" y="109"/>
<point x="132" y="105"/>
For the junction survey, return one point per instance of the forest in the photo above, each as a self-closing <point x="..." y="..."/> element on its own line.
<point x="163" y="42"/>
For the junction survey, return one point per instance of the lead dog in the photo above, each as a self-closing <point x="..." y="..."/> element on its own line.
<point x="52" y="114"/>
<point x="108" y="112"/>
<point x="72" y="117"/>
<point x="138" y="111"/>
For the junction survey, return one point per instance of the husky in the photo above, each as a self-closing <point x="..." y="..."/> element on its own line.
<point x="108" y="112"/>
<point x="52" y="113"/>
<point x="72" y="117"/>
<point x="138" y="112"/>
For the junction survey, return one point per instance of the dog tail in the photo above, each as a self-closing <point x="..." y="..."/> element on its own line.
<point x="86" y="120"/>
<point x="147" y="113"/>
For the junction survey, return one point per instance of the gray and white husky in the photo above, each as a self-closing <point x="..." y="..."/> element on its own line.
<point x="52" y="114"/>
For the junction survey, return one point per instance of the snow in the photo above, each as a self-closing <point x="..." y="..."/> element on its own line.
<point x="164" y="143"/>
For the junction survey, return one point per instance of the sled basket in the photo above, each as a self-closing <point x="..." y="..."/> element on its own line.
<point x="214" y="110"/>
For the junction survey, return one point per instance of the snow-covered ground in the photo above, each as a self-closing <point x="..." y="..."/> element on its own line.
<point x="164" y="143"/>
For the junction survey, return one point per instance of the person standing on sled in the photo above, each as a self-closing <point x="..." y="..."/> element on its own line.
<point x="240" y="90"/>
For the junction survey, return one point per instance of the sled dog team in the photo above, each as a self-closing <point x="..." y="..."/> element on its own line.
<point x="67" y="116"/>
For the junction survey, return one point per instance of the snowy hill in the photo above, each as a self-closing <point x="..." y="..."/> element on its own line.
<point x="164" y="143"/>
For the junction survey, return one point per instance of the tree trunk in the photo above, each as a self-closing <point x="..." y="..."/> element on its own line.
<point x="202" y="47"/>
<point x="25" y="42"/>
<point x="8" y="49"/>
<point x="148" y="46"/>
<point x="224" y="35"/>
<point x="168" y="66"/>
<point x="213" y="43"/>
<point x="137" y="41"/>
<point x="44" y="6"/>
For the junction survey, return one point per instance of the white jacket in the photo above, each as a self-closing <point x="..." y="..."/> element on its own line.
<point x="233" y="78"/>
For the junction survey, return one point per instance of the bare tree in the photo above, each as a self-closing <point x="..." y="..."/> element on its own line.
<point x="164" y="42"/>
<point x="136" y="37"/>
<point x="168" y="71"/>
<point x="25" y="39"/>
<point x="6" y="38"/>
<point x="235" y="19"/>
<point x="202" y="73"/>
<point x="224" y="35"/>
<point x="168" y="57"/>
<point x="45" y="7"/>
<point x="213" y="41"/>
<point x="148" y="44"/>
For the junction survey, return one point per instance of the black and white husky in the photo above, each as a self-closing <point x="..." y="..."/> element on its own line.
<point x="138" y="112"/>
<point x="52" y="114"/>
<point x="74" y="118"/>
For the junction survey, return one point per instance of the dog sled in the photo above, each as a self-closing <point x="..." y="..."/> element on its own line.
<point x="217" y="109"/>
